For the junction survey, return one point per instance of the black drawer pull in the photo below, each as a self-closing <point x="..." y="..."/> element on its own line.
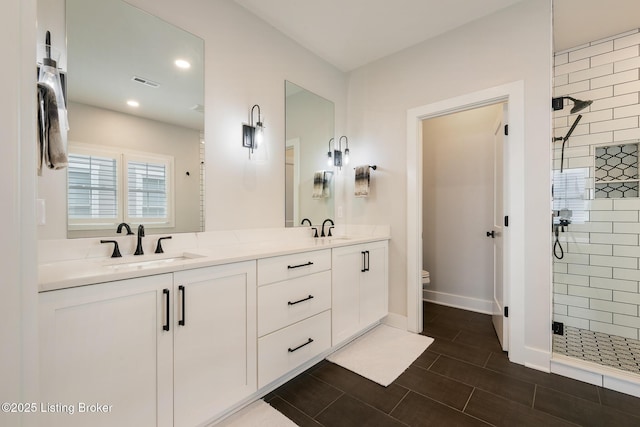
<point x="165" y="327"/>
<point x="300" y="300"/>
<point x="291" y="350"/>
<point x="184" y="296"/>
<point x="298" y="266"/>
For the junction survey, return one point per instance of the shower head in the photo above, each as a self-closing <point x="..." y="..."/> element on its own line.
<point x="578" y="105"/>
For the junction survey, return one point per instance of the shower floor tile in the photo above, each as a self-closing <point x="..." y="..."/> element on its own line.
<point x="607" y="350"/>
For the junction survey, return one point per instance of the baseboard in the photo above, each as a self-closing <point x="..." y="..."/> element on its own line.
<point x="537" y="359"/>
<point x="458" y="301"/>
<point x="396" y="321"/>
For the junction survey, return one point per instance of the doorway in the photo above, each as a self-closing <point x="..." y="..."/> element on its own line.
<point x="463" y="212"/>
<point x="513" y="270"/>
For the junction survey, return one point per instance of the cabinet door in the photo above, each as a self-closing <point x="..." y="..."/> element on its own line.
<point x="374" y="284"/>
<point x="345" y="292"/>
<point x="105" y="344"/>
<point x="214" y="340"/>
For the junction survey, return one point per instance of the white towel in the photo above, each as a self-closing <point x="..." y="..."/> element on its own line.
<point x="363" y="180"/>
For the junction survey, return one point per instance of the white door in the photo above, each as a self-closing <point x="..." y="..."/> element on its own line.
<point x="500" y="322"/>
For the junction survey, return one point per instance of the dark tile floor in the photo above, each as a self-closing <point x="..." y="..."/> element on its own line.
<point x="462" y="379"/>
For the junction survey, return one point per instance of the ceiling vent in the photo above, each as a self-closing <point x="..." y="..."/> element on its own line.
<point x="145" y="82"/>
<point x="198" y="107"/>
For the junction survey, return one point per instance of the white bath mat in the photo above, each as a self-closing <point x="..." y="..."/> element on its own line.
<point x="258" y="414"/>
<point x="382" y="354"/>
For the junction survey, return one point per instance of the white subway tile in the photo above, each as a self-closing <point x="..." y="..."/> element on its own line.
<point x="626" y="123"/>
<point x="588" y="292"/>
<point x="585" y="313"/>
<point x="580" y="162"/>
<point x="626" y="297"/>
<point x="614" y="284"/>
<point x="581" y="129"/>
<point x="617" y="56"/>
<point x="570" y="279"/>
<point x="571" y="88"/>
<point x="575" y="258"/>
<point x="625" y="135"/>
<point x="600" y="204"/>
<point x="614" y="239"/>
<point x="614" y="307"/>
<point x="626" y="41"/>
<point x="560" y="59"/>
<point x="615" y="101"/>
<point x="561" y="80"/>
<point x="627" y="111"/>
<point x="624" y="320"/>
<point x="590" y="73"/>
<point x="626" y="274"/>
<point x="595" y="94"/>
<point x="574" y="237"/>
<point x="614" y="216"/>
<point x="612" y="261"/>
<point x="571" y="67"/>
<point x="614" y="79"/>
<point x="560" y="122"/>
<point x="626" y="227"/>
<point x="594" y="50"/>
<point x="560" y="309"/>
<point x="626" y="251"/>
<point x="596" y="116"/>
<point x="559" y="267"/>
<point x="574" y="301"/>
<point x="572" y="321"/>
<point x="624" y="88"/>
<point x="606" y="328"/>
<point x="627" y="64"/>
<point x="593" y="227"/>
<point x="590" y="270"/>
<point x="596" y="138"/>
<point x="560" y="288"/>
<point x="582" y="248"/>
<point x="626" y="204"/>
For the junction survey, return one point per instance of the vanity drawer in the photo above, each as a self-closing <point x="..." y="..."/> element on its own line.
<point x="283" y="303"/>
<point x="288" y="348"/>
<point x="276" y="269"/>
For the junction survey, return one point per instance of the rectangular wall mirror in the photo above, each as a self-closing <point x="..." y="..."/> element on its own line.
<point x="309" y="186"/>
<point x="136" y="115"/>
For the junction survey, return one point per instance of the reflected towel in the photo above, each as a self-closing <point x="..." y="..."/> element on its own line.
<point x="321" y="188"/>
<point x="51" y="146"/>
<point x="363" y="179"/>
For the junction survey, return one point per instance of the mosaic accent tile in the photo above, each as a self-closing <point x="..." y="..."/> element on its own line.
<point x="607" y="350"/>
<point x="616" y="162"/>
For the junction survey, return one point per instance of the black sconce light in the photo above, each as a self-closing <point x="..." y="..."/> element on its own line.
<point x="253" y="135"/>
<point x="338" y="159"/>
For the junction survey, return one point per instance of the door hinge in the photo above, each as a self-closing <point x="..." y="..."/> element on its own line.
<point x="506" y="129"/>
<point x="506" y="311"/>
<point x="506" y="220"/>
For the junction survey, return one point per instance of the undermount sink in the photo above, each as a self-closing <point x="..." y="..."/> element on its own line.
<point x="153" y="260"/>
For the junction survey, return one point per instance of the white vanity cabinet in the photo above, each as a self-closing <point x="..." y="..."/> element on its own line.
<point x="214" y="340"/>
<point x="359" y="288"/>
<point x="294" y="311"/>
<point x="105" y="344"/>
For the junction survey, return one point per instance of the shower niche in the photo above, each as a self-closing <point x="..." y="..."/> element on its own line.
<point x="616" y="171"/>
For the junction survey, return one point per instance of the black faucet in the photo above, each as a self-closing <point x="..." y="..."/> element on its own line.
<point x="159" y="245"/>
<point x="139" y="250"/>
<point x="329" y="232"/>
<point x="116" y="250"/>
<point x="125" y="225"/>
<point x="306" y="219"/>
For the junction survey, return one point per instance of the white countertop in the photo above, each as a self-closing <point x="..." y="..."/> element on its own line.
<point x="79" y="262"/>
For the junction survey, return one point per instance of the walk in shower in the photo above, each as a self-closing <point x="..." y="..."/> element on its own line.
<point x="596" y="204"/>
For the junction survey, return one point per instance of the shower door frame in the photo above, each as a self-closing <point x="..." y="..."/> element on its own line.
<point x="513" y="95"/>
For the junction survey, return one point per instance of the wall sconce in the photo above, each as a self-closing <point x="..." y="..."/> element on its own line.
<point x="337" y="159"/>
<point x="252" y="135"/>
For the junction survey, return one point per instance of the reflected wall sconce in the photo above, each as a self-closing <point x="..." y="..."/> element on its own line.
<point x="253" y="134"/>
<point x="338" y="159"/>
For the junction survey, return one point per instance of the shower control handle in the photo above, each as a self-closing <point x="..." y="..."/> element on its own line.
<point x="491" y="234"/>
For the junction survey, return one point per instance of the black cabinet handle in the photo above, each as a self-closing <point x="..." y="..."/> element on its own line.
<point x="184" y="296"/>
<point x="365" y="261"/>
<point x="166" y="326"/>
<point x="291" y="350"/>
<point x="300" y="265"/>
<point x="300" y="300"/>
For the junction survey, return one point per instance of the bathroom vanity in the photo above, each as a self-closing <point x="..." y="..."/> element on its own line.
<point x="186" y="337"/>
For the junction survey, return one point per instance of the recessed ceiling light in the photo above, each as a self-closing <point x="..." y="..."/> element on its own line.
<point x="181" y="63"/>
<point x="132" y="103"/>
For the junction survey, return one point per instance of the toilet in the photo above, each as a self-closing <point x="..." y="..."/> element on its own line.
<point x="425" y="278"/>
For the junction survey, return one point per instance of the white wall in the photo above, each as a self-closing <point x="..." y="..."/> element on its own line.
<point x="511" y="45"/>
<point x="457" y="206"/>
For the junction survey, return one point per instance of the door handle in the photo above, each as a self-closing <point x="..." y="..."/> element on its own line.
<point x="491" y="234"/>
